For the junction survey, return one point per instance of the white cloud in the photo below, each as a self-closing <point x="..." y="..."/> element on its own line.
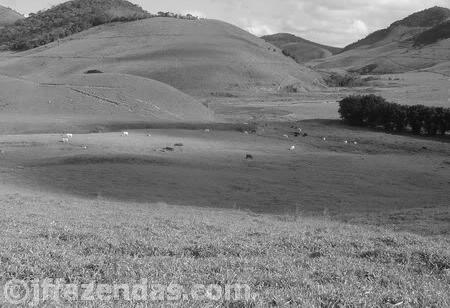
<point x="359" y="27"/>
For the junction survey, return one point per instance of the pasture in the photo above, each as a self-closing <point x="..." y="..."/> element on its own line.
<point x="329" y="223"/>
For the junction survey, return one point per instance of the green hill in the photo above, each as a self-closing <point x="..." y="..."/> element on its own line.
<point x="66" y="19"/>
<point x="299" y="49"/>
<point x="424" y="19"/>
<point x="416" y="42"/>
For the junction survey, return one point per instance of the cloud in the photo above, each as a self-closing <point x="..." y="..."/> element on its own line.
<point x="359" y="27"/>
<point x="329" y="22"/>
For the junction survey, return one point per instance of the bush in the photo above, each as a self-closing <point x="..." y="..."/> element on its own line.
<point x="375" y="111"/>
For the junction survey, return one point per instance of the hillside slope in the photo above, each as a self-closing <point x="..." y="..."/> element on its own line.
<point x="105" y="96"/>
<point x="404" y="29"/>
<point x="8" y="16"/>
<point x="419" y="41"/>
<point x="198" y="57"/>
<point x="299" y="49"/>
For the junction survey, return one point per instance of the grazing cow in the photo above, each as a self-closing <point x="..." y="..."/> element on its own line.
<point x="355" y="143"/>
<point x="346" y="141"/>
<point x="286" y="136"/>
<point x="299" y="130"/>
<point x="125" y="134"/>
<point x="296" y="134"/>
<point x="292" y="148"/>
<point x="69" y="135"/>
<point x="207" y="130"/>
<point x="65" y="140"/>
<point x="305" y="135"/>
<point x="249" y="157"/>
<point x="178" y="145"/>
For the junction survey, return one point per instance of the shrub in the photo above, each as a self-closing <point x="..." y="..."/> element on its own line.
<point x="93" y="72"/>
<point x="375" y="111"/>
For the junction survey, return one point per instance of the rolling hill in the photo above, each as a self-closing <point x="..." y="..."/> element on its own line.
<point x="148" y="69"/>
<point x="195" y="56"/>
<point x="299" y="49"/>
<point x="419" y="41"/>
<point x="8" y="16"/>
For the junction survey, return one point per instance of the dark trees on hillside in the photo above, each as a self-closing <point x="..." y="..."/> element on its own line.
<point x="66" y="19"/>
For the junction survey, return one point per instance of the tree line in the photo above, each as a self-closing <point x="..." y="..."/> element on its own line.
<point x="375" y="111"/>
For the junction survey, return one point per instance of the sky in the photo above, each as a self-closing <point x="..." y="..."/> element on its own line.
<point x="331" y="22"/>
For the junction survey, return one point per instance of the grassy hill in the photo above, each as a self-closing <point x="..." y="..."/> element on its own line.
<point x="195" y="56"/>
<point x="101" y="96"/>
<point x="65" y="19"/>
<point x="424" y="19"/>
<point x="156" y="61"/>
<point x="8" y="16"/>
<point x="418" y="41"/>
<point x="299" y="49"/>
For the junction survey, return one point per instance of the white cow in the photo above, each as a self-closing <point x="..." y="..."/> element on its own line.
<point x="125" y="134"/>
<point x="292" y="148"/>
<point x="346" y="141"/>
<point x="65" y="140"/>
<point x="68" y="135"/>
<point x="286" y="136"/>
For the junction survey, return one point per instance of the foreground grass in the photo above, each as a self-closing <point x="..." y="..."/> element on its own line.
<point x="288" y="261"/>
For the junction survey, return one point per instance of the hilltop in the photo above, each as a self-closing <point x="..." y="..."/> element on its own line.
<point x="418" y="41"/>
<point x="8" y="16"/>
<point x="65" y="19"/>
<point x="298" y="48"/>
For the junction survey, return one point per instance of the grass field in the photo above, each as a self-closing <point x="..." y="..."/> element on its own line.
<point x="285" y="259"/>
<point x="327" y="225"/>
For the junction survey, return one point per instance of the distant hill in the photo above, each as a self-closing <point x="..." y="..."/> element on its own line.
<point x="405" y="28"/>
<point x="419" y="41"/>
<point x="299" y="49"/>
<point x="65" y="19"/>
<point x="8" y="16"/>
